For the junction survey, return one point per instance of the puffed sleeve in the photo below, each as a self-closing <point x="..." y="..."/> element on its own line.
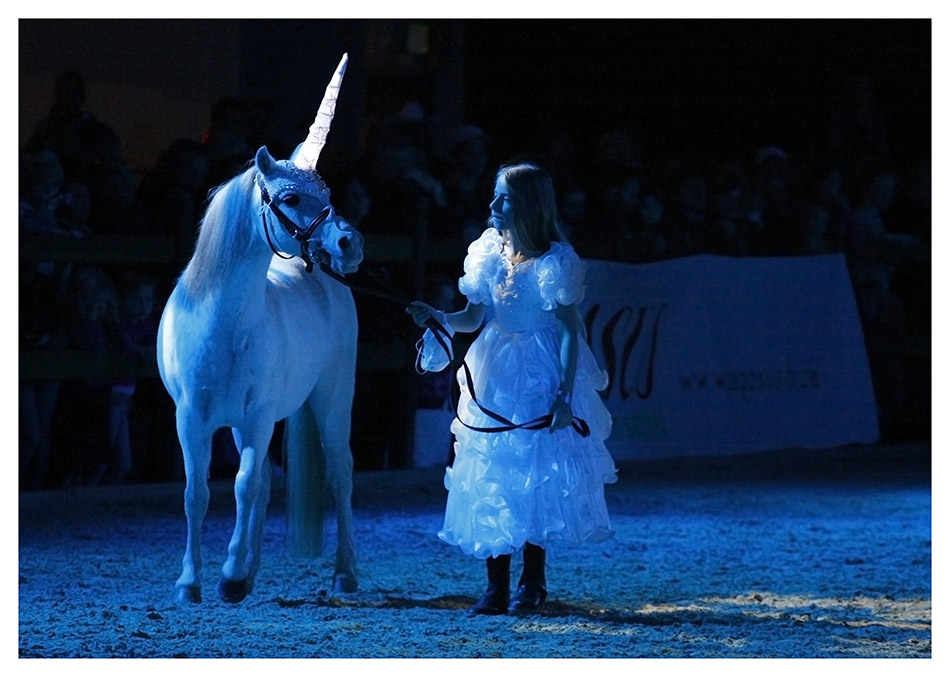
<point x="482" y="264"/>
<point x="561" y="276"/>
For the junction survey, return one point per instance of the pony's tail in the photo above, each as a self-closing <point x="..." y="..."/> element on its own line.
<point x="306" y="484"/>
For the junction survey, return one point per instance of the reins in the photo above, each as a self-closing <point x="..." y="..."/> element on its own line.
<point x="302" y="237"/>
<point x="579" y="425"/>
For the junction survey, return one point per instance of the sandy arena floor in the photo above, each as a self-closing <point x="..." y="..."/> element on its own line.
<point x="804" y="554"/>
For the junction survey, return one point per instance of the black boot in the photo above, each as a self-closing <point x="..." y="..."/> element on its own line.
<point x="495" y="600"/>
<point x="532" y="590"/>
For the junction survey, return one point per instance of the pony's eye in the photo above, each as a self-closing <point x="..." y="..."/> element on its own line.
<point x="291" y="200"/>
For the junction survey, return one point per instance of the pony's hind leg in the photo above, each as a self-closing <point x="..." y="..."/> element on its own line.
<point x="332" y="411"/>
<point x="196" y="448"/>
<point x="236" y="574"/>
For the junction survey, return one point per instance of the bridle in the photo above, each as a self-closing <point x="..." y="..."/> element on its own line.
<point x="300" y="235"/>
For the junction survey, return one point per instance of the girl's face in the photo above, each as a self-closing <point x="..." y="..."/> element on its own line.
<point x="501" y="206"/>
<point x="502" y="218"/>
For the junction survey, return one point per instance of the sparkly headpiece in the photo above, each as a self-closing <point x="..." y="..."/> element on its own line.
<point x="282" y="177"/>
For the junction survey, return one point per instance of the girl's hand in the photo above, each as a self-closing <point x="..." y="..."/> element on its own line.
<point x="561" y="414"/>
<point x="421" y="313"/>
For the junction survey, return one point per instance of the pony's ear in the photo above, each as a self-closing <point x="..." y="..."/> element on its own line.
<point x="296" y="154"/>
<point x="265" y="163"/>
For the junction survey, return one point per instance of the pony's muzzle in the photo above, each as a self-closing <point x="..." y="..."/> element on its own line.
<point x="351" y="245"/>
<point x="346" y="247"/>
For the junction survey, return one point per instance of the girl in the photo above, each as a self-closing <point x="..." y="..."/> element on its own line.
<point x="524" y="488"/>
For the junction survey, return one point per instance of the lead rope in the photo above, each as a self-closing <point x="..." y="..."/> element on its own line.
<point x="579" y="425"/>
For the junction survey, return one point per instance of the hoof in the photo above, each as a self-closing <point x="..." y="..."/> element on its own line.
<point x="188" y="594"/>
<point x="233" y="592"/>
<point x="344" y="583"/>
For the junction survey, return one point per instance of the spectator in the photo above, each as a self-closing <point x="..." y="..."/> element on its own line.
<point x="727" y="231"/>
<point x="57" y="132"/>
<point x="828" y="193"/>
<point x="617" y="153"/>
<point x="911" y="214"/>
<point x="858" y="129"/>
<point x="90" y="452"/>
<point x="877" y="191"/>
<point x="173" y="194"/>
<point x="772" y="174"/>
<point x="404" y="185"/>
<point x="42" y="291"/>
<point x="75" y="207"/>
<point x="354" y="201"/>
<point x="651" y="235"/>
<point x="227" y="141"/>
<point x="814" y="230"/>
<point x="113" y="205"/>
<point x="882" y="317"/>
<point x="618" y="204"/>
<point x="128" y="419"/>
<point x="561" y="154"/>
<point x="467" y="181"/>
<point x="574" y="203"/>
<point x="89" y="152"/>
<point x="690" y="201"/>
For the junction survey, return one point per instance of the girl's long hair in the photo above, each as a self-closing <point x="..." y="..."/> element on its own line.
<point x="534" y="208"/>
<point x="534" y="212"/>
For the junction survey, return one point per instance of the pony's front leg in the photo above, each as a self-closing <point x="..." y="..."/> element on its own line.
<point x="236" y="575"/>
<point x="256" y="526"/>
<point x="196" y="449"/>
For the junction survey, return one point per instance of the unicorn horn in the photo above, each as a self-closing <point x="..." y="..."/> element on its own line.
<point x="309" y="151"/>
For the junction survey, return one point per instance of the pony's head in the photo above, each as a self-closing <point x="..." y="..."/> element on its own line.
<point x="297" y="215"/>
<point x="298" y="218"/>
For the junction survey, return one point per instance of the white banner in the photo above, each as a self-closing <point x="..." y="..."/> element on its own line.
<point x="712" y="355"/>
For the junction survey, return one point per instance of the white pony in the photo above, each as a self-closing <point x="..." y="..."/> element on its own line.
<point x="250" y="336"/>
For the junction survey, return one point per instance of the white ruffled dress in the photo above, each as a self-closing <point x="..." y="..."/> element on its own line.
<point x="509" y="488"/>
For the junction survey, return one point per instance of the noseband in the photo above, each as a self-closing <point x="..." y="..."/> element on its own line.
<point x="300" y="235"/>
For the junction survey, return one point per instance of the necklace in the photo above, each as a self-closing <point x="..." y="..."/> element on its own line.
<point x="515" y="258"/>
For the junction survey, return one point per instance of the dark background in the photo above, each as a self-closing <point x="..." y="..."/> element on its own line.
<point x="708" y="88"/>
<point x="730" y="86"/>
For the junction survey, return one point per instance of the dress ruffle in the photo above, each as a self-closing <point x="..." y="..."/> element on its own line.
<point x="560" y="271"/>
<point x="561" y="276"/>
<point x="483" y="264"/>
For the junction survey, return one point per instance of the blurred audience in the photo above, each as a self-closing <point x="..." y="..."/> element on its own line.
<point x="844" y="195"/>
<point x="173" y="194"/>
<point x="467" y="181"/>
<point x="93" y="437"/>
<point x="130" y="409"/>
<point x="42" y="294"/>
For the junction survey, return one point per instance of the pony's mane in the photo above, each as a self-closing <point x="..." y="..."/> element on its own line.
<point x="223" y="236"/>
